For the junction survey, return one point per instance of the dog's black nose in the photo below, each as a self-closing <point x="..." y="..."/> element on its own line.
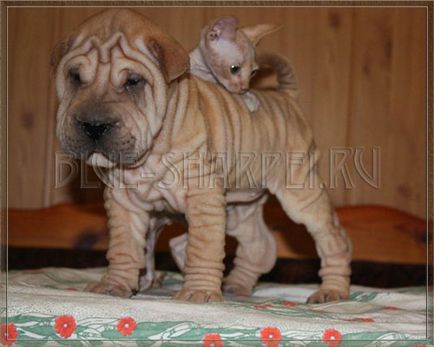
<point x="94" y="130"/>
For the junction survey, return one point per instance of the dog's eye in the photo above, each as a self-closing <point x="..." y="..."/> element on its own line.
<point x="133" y="81"/>
<point x="234" y="69"/>
<point x="74" y="76"/>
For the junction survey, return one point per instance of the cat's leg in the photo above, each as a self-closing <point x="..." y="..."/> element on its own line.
<point x="178" y="248"/>
<point x="256" y="252"/>
<point x="149" y="279"/>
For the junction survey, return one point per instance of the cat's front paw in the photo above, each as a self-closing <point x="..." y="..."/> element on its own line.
<point x="251" y="101"/>
<point x="155" y="281"/>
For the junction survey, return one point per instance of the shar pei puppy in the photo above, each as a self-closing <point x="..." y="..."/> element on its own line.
<point x="170" y="143"/>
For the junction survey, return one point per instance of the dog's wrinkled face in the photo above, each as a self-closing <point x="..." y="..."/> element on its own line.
<point x="112" y="82"/>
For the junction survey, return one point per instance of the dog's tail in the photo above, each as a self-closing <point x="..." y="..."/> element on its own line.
<point x="284" y="70"/>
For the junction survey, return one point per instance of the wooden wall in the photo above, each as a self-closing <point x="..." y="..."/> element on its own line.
<point x="362" y="74"/>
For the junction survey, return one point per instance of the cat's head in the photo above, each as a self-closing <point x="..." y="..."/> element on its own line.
<point x="230" y="52"/>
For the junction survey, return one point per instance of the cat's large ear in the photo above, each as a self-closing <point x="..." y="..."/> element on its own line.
<point x="256" y="32"/>
<point x="222" y="27"/>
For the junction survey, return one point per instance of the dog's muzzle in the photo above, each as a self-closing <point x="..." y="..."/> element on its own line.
<point x="103" y="133"/>
<point x="95" y="130"/>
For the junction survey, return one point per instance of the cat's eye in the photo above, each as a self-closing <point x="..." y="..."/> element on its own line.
<point x="253" y="73"/>
<point x="74" y="77"/>
<point x="234" y="69"/>
<point x="133" y="81"/>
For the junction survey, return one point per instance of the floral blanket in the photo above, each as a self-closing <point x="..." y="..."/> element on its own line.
<point x="48" y="307"/>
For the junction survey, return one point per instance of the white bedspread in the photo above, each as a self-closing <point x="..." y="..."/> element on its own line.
<point x="49" y="305"/>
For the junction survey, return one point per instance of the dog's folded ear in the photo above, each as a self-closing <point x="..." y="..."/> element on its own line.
<point x="58" y="52"/>
<point x="172" y="57"/>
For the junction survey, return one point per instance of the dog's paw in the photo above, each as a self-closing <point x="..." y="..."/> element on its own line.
<point x="326" y="295"/>
<point x="199" y="296"/>
<point x="237" y="289"/>
<point x="109" y="289"/>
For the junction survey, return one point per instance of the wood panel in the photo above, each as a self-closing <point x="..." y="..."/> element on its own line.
<point x="29" y="120"/>
<point x="331" y="87"/>
<point x="388" y="104"/>
<point x="378" y="234"/>
<point x="362" y="74"/>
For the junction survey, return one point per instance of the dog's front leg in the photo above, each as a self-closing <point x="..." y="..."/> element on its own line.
<point x="128" y="225"/>
<point x="206" y="217"/>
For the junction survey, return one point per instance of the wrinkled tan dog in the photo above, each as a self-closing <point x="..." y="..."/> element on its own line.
<point x="174" y="143"/>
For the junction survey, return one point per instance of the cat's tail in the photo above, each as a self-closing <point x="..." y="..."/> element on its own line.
<point x="284" y="70"/>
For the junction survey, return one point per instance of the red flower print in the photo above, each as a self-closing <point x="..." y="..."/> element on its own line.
<point x="391" y="308"/>
<point x="212" y="340"/>
<point x="65" y="326"/>
<point x="8" y="334"/>
<point x="262" y="306"/>
<point x="332" y="337"/>
<point x="271" y="337"/>
<point x="289" y="303"/>
<point x="362" y="320"/>
<point x="422" y="345"/>
<point x="126" y="326"/>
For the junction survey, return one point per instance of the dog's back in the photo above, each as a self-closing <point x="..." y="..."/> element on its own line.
<point x="277" y="128"/>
